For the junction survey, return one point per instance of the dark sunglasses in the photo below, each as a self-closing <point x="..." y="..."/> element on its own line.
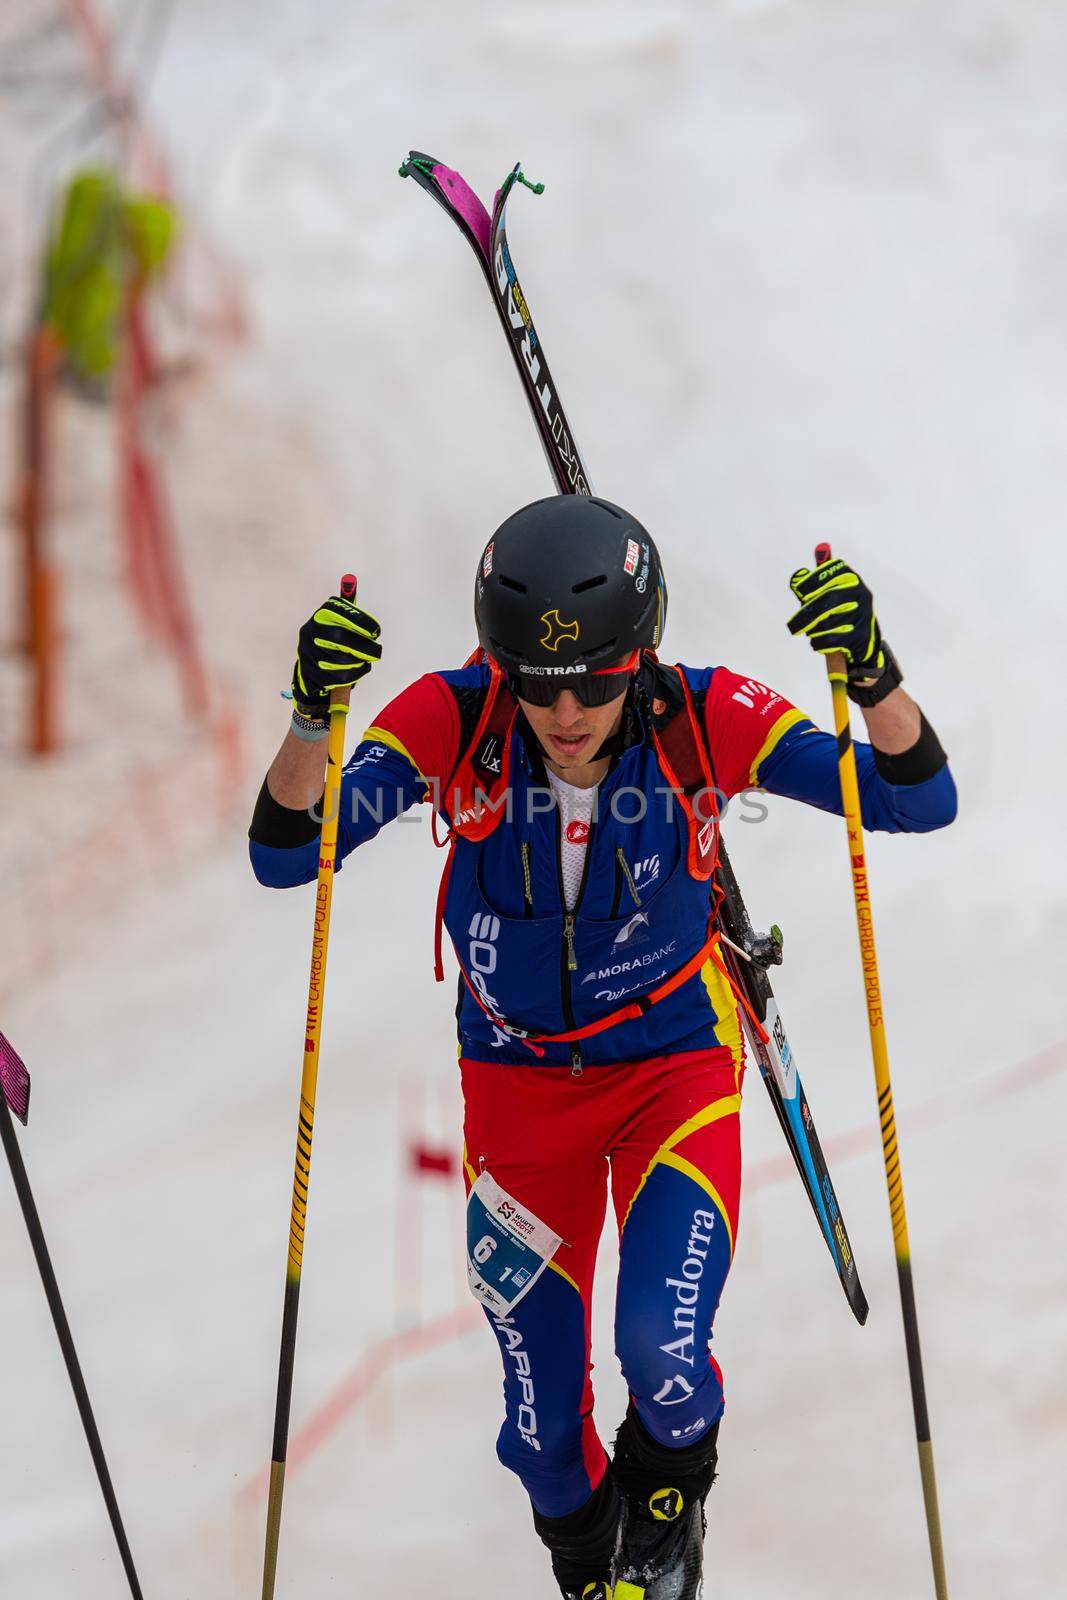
<point x="589" y="688"/>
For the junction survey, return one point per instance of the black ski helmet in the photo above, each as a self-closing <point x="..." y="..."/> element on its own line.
<point x="566" y="585"/>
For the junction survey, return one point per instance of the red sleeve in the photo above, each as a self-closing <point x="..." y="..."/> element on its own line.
<point x="422" y="723"/>
<point x="745" y="721"/>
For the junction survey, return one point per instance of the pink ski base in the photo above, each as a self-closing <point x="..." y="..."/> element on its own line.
<point x="14" y="1080"/>
<point x="463" y="200"/>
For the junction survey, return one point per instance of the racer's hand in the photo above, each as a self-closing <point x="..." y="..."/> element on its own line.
<point x="338" y="645"/>
<point x="837" y="613"/>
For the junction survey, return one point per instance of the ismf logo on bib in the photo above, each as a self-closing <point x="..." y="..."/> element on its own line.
<point x="508" y="1248"/>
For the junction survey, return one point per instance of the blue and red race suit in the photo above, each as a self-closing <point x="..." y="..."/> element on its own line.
<point x="655" y="1097"/>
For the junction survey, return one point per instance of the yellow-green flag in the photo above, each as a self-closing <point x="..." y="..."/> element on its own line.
<point x="102" y="238"/>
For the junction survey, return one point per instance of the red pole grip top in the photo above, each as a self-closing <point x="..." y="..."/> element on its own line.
<point x="348" y="586"/>
<point x="822" y="553"/>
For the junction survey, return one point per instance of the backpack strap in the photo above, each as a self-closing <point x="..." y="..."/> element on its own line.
<point x="683" y="754"/>
<point x="478" y="785"/>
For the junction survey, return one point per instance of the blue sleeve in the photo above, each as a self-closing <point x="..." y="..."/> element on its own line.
<point x="378" y="784"/>
<point x="803" y="766"/>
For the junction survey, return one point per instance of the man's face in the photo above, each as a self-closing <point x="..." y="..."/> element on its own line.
<point x="569" y="733"/>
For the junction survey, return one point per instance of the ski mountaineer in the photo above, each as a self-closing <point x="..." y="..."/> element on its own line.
<point x="581" y="781"/>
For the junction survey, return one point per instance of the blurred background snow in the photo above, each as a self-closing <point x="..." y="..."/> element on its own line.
<point x="799" y="268"/>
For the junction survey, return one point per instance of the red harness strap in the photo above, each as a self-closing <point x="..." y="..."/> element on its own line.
<point x="473" y="808"/>
<point x="439" y="913"/>
<point x="478" y="786"/>
<point x="627" y="1013"/>
<point x="682" y="753"/>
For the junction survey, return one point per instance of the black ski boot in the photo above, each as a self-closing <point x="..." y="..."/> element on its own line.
<point x="583" y="1543"/>
<point x="661" y="1522"/>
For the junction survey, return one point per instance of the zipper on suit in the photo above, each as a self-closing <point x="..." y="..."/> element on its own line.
<point x="527" y="890"/>
<point x="622" y="862"/>
<point x="568" y="958"/>
<point x="568" y="939"/>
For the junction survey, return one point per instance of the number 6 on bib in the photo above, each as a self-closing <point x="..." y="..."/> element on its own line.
<point x="508" y="1248"/>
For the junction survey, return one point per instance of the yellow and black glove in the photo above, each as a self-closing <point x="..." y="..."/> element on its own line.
<point x="837" y="613"/>
<point x="337" y="647"/>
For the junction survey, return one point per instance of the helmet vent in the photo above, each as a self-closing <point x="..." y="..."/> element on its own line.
<point x="590" y="583"/>
<point x="513" y="583"/>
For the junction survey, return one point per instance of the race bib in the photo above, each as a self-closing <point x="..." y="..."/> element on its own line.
<point x="508" y="1248"/>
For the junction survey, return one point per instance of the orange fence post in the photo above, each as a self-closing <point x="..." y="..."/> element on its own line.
<point x="40" y="596"/>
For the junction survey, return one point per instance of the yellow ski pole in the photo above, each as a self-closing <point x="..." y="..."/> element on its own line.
<point x="331" y="808"/>
<point x="836" y="669"/>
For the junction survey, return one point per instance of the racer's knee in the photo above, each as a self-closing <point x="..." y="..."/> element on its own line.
<point x="677" y="1406"/>
<point x="675" y="1383"/>
<point x="674" y="1259"/>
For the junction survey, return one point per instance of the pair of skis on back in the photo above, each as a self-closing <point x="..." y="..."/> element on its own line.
<point x="748" y="954"/>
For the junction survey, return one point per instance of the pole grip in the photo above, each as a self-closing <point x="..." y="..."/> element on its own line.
<point x="836" y="665"/>
<point x="339" y="698"/>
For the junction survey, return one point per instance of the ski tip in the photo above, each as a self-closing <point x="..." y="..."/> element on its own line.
<point x="417" y="163"/>
<point x="14" y="1081"/>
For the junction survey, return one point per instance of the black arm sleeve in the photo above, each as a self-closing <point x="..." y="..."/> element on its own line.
<point x="281" y="827"/>
<point x="922" y="761"/>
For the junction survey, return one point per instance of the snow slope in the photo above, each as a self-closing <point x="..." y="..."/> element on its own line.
<point x="798" y="269"/>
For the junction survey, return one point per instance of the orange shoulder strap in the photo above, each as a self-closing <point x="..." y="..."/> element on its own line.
<point x="478" y="786"/>
<point x="683" y="755"/>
